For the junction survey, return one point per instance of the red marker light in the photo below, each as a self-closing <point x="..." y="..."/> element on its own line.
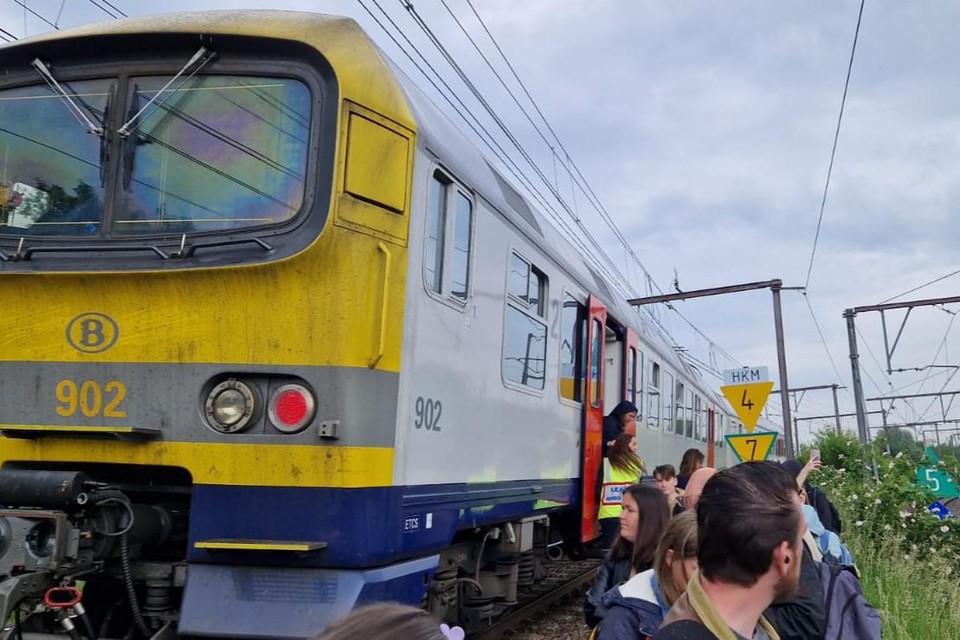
<point x="291" y="408"/>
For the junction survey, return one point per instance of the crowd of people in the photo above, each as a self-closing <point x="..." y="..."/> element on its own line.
<point x="730" y="554"/>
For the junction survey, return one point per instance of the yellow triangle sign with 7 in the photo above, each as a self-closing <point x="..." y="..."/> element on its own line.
<point x="752" y="446"/>
<point x="748" y="400"/>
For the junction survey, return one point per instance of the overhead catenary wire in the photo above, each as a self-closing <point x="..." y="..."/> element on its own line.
<point x="33" y="13"/>
<point x="917" y="288"/>
<point x="833" y="151"/>
<point x="613" y="272"/>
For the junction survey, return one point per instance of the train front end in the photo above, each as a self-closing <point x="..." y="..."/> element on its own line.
<point x="203" y="228"/>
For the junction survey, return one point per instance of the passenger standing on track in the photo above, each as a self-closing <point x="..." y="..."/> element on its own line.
<point x="642" y="522"/>
<point x="666" y="478"/>
<point x="636" y="609"/>
<point x="691" y="461"/>
<point x="621" y="468"/>
<point x="623" y="419"/>
<point x="385" y="621"/>
<point x="750" y="527"/>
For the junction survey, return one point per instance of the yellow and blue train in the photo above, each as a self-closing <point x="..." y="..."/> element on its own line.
<point x="277" y="339"/>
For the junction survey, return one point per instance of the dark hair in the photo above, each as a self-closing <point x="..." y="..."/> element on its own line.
<point x="666" y="471"/>
<point x="622" y="458"/>
<point x="692" y="459"/>
<point x="680" y="537"/>
<point x="384" y="620"/>
<point x="623" y="408"/>
<point x="744" y="513"/>
<point x="654" y="516"/>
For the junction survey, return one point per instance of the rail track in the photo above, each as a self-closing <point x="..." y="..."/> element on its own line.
<point x="566" y="577"/>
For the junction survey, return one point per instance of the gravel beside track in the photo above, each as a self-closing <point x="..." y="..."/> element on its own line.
<point x="562" y="621"/>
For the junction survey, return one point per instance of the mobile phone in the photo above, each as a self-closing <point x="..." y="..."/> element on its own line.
<point x="815" y="454"/>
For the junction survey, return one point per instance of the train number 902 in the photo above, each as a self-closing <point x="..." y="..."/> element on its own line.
<point x="91" y="399"/>
<point x="428" y="413"/>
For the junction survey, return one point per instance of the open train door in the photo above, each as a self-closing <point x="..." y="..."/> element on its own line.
<point x="592" y="449"/>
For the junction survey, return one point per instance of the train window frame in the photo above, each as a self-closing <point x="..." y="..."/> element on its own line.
<point x="444" y="188"/>
<point x="678" y="409"/>
<point x="126" y="61"/>
<point x="653" y="397"/>
<point x="638" y="399"/>
<point x="688" y="417"/>
<point x="520" y="308"/>
<point x="666" y="419"/>
<point x="577" y="349"/>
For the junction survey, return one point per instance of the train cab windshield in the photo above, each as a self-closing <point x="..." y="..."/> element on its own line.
<point x="159" y="158"/>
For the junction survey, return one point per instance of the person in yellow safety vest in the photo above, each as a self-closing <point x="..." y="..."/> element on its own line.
<point x="621" y="468"/>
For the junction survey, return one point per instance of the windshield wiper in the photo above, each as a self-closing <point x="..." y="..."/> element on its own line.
<point x="68" y="100"/>
<point x="200" y="58"/>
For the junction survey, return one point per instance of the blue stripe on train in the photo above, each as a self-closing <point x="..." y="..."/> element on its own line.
<point x="366" y="527"/>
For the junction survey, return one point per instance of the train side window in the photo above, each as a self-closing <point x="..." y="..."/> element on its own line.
<point x="653" y="397"/>
<point x="668" y="402"/>
<point x="632" y="376"/>
<point x="527" y="285"/>
<point x="688" y="416"/>
<point x="448" y="242"/>
<point x="698" y="421"/>
<point x="678" y="413"/>
<point x="525" y="332"/>
<point x="573" y="334"/>
<point x="595" y="364"/>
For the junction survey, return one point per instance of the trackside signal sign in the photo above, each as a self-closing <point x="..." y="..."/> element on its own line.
<point x="752" y="446"/>
<point x="748" y="400"/>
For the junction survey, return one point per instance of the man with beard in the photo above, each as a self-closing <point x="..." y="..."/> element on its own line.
<point x="750" y="525"/>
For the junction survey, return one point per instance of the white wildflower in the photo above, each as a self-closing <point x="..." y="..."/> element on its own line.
<point x="859" y="523"/>
<point x="904" y="514"/>
<point x="899" y="455"/>
<point x="887" y="527"/>
<point x="841" y="456"/>
<point x="877" y="501"/>
<point x="854" y="496"/>
<point x="945" y="528"/>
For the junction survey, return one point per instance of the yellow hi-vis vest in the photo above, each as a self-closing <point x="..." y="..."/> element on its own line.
<point x="611" y="493"/>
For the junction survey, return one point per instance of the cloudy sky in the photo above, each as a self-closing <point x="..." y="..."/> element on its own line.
<point x="706" y="128"/>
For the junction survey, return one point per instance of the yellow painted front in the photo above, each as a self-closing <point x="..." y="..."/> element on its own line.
<point x="322" y="307"/>
<point x="318" y="308"/>
<point x="225" y="463"/>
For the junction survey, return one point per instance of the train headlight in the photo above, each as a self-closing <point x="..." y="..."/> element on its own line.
<point x="291" y="408"/>
<point x="231" y="405"/>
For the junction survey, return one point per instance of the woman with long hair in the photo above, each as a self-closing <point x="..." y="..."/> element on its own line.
<point x="691" y="461"/>
<point x="621" y="468"/>
<point x="643" y="518"/>
<point x="636" y="609"/>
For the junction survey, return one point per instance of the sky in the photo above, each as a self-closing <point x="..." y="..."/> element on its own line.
<point x="705" y="129"/>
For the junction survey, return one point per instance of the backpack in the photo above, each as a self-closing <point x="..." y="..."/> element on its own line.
<point x="849" y="615"/>
<point x="829" y="539"/>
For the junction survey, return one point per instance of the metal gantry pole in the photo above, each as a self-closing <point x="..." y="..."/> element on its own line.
<point x="861" y="407"/>
<point x="782" y="363"/>
<point x="836" y="409"/>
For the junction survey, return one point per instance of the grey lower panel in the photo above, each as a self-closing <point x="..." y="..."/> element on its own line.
<point x="170" y="398"/>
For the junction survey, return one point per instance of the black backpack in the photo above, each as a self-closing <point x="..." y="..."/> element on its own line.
<point x="849" y="615"/>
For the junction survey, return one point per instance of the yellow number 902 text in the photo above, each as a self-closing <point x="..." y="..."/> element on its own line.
<point x="92" y="400"/>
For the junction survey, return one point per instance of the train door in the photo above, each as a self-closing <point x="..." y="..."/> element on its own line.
<point x="592" y="451"/>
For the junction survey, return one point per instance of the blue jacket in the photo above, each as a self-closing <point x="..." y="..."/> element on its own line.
<point x="634" y="610"/>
